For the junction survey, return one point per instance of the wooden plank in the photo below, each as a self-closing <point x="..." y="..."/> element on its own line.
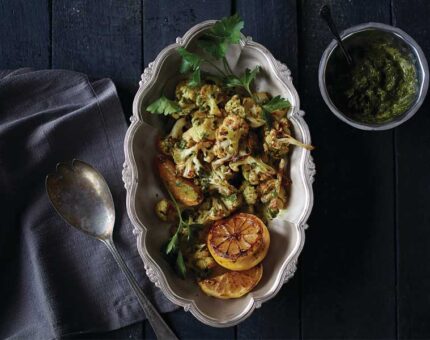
<point x="164" y="21"/>
<point x="348" y="267"/>
<point x="274" y="24"/>
<point x="102" y="39"/>
<point x="412" y="140"/>
<point x="24" y="34"/>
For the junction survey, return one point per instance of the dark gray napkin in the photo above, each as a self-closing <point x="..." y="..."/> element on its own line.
<point x="54" y="280"/>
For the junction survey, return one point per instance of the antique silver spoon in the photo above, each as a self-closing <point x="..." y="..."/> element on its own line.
<point x="81" y="196"/>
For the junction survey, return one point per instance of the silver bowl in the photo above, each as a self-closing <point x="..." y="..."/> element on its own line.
<point x="144" y="188"/>
<point x="404" y="41"/>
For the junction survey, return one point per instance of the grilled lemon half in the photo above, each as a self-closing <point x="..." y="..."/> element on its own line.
<point x="231" y="284"/>
<point x="239" y="242"/>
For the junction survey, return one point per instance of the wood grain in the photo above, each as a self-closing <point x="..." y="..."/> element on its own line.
<point x="102" y="39"/>
<point x="24" y="34"/>
<point x="279" y="34"/>
<point x="348" y="264"/>
<point x="413" y="181"/>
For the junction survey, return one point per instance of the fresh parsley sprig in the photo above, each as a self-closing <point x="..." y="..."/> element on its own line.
<point x="164" y="105"/>
<point x="173" y="246"/>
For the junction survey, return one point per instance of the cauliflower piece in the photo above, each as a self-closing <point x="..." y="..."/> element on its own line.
<point x="253" y="113"/>
<point x="178" y="128"/>
<point x="186" y="97"/>
<point x="278" y="139"/>
<point x="249" y="193"/>
<point x="234" y="107"/>
<point x="273" y="194"/>
<point x="262" y="97"/>
<point x="228" y="136"/>
<point x="269" y="189"/>
<point x="254" y="170"/>
<point x="166" y="211"/>
<point x="201" y="129"/>
<point x="186" y="94"/>
<point x="186" y="161"/>
<point x="232" y="202"/>
<point x="208" y="98"/>
<point x="211" y="210"/>
<point x="208" y="154"/>
<point x="217" y="181"/>
<point x="166" y="145"/>
<point x="201" y="259"/>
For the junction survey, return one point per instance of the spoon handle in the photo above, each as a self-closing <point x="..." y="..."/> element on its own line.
<point x="161" y="329"/>
<point x="325" y="13"/>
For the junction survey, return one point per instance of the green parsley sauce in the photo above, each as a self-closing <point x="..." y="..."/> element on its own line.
<point x="379" y="86"/>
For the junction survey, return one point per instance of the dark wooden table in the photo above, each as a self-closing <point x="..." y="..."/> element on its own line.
<point x="365" y="269"/>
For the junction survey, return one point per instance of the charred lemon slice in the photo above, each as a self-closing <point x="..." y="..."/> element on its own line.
<point x="239" y="242"/>
<point x="231" y="284"/>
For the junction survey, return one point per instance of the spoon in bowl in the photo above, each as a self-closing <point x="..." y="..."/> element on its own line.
<point x="81" y="196"/>
<point x="325" y="13"/>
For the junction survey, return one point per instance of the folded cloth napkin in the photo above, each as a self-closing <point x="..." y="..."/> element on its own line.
<point x="55" y="280"/>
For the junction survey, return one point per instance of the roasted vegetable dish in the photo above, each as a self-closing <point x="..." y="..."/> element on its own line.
<point x="224" y="163"/>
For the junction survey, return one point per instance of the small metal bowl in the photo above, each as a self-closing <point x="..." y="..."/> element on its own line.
<point x="404" y="42"/>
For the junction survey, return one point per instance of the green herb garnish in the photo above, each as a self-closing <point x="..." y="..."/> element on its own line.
<point x="164" y="105"/>
<point x="184" y="227"/>
<point x="276" y="103"/>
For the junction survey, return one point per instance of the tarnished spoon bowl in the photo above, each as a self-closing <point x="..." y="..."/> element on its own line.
<point x="81" y="196"/>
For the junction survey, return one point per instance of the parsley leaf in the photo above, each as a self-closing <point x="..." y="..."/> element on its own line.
<point x="180" y="264"/>
<point x="244" y="80"/>
<point x="215" y="47"/>
<point x="249" y="76"/>
<point x="163" y="105"/>
<point x="232" y="81"/>
<point x="195" y="78"/>
<point x="173" y="244"/>
<point x="223" y="33"/>
<point x="190" y="61"/>
<point x="227" y="29"/>
<point x="277" y="103"/>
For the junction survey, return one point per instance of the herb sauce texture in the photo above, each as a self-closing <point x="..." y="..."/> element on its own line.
<point x="379" y="86"/>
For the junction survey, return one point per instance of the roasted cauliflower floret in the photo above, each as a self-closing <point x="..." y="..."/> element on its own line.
<point x="186" y="97"/>
<point x="185" y="93"/>
<point x="273" y="193"/>
<point x="277" y="140"/>
<point x="254" y="170"/>
<point x="249" y="193"/>
<point x="208" y="99"/>
<point x="217" y="180"/>
<point x="165" y="210"/>
<point x="201" y="129"/>
<point x="187" y="162"/>
<point x="232" y="202"/>
<point x="262" y="97"/>
<point x="211" y="210"/>
<point x="166" y="144"/>
<point x="201" y="260"/>
<point x="234" y="107"/>
<point x="253" y="113"/>
<point x="228" y="136"/>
